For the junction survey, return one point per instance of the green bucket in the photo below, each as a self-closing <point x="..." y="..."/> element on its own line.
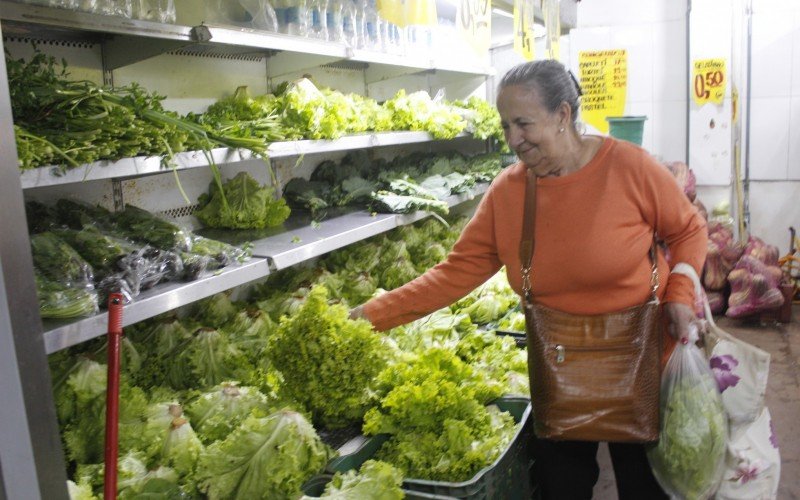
<point x="627" y="128"/>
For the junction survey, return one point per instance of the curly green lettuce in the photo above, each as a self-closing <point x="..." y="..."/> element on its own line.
<point x="328" y="361"/>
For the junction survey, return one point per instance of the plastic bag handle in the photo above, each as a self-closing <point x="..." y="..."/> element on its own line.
<point x="687" y="270"/>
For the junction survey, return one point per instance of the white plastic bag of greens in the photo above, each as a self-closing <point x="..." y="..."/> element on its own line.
<point x="689" y="458"/>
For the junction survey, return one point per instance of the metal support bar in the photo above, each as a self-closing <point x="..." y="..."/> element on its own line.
<point x="31" y="459"/>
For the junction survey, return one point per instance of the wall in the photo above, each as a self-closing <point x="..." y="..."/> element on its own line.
<point x="654" y="34"/>
<point x="775" y="121"/>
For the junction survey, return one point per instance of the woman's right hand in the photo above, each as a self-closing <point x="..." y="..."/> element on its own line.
<point x="357" y="312"/>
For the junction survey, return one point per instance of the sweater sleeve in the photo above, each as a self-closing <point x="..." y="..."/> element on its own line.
<point x="679" y="225"/>
<point x="472" y="261"/>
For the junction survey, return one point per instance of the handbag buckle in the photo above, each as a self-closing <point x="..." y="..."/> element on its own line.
<point x="560" y="353"/>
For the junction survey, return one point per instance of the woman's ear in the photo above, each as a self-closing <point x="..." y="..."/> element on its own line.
<point x="564" y="113"/>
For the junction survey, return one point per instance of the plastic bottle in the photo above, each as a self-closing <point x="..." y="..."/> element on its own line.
<point x="335" y="20"/>
<point x="296" y="15"/>
<point x="318" y="27"/>
<point x="350" y="23"/>
<point x="372" y="26"/>
<point x="360" y="28"/>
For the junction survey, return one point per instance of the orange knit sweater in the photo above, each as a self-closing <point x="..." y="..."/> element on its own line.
<point x="593" y="233"/>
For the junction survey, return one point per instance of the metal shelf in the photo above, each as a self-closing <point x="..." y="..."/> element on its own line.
<point x="160" y="299"/>
<point x="310" y="241"/>
<point x="142" y="165"/>
<point x="127" y="41"/>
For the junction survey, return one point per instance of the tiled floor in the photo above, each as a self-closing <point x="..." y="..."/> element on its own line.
<point x="783" y="400"/>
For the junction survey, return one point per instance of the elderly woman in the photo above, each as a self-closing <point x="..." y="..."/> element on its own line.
<point x="598" y="203"/>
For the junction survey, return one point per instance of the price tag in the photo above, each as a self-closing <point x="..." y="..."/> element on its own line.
<point x="523" y="29"/>
<point x="709" y="77"/>
<point x="474" y="22"/>
<point x="604" y="79"/>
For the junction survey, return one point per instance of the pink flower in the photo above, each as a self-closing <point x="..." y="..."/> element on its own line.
<point x="723" y="366"/>
<point x="773" y="439"/>
<point x="746" y="473"/>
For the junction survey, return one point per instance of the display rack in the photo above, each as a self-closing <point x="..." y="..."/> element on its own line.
<point x="31" y="462"/>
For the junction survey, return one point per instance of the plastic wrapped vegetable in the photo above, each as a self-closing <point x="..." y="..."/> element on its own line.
<point x="754" y="288"/>
<point x="223" y="253"/>
<point x="61" y="302"/>
<point x="59" y="262"/>
<point x="141" y="225"/>
<point x="689" y="458"/>
<point x="723" y="253"/>
<point x="685" y="177"/>
<point x="102" y="251"/>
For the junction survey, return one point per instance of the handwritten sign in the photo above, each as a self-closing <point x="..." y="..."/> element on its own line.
<point x="474" y="22"/>
<point x="708" y="81"/>
<point x="604" y="79"/>
<point x="523" y="29"/>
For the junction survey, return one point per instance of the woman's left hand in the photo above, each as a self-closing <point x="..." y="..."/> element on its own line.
<point x="679" y="316"/>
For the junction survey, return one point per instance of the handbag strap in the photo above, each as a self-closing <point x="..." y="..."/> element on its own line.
<point x="528" y="242"/>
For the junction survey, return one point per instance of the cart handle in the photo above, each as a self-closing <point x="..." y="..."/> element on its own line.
<point x="112" y="395"/>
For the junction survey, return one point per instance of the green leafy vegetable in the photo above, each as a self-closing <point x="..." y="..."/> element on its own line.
<point x="265" y="457"/>
<point x="249" y="205"/>
<point x="375" y="480"/>
<point x="346" y="356"/>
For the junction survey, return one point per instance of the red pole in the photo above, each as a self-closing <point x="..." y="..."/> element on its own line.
<point x="112" y="395"/>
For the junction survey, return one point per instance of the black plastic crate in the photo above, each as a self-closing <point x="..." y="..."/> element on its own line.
<point x="519" y="337"/>
<point x="508" y="478"/>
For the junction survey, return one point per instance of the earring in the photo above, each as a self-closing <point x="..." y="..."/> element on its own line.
<point x="560" y="130"/>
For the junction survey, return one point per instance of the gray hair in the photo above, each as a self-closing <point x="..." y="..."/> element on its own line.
<point x="551" y="81"/>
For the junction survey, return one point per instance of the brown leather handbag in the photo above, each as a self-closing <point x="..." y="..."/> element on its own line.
<point x="593" y="377"/>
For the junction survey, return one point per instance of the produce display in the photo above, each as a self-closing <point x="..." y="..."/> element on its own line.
<point x="418" y="181"/>
<point x="740" y="278"/>
<point x="220" y="402"/>
<point x="68" y="123"/>
<point x="82" y="253"/>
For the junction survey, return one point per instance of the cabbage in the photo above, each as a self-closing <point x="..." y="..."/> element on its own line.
<point x="217" y="412"/>
<point x="265" y="457"/>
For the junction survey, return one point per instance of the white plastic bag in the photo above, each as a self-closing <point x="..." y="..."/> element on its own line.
<point x="741" y="369"/>
<point x="753" y="462"/>
<point x="688" y="459"/>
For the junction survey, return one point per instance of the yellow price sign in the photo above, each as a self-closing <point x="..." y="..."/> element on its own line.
<point x="474" y="22"/>
<point x="708" y="81"/>
<point x="604" y="79"/>
<point x="523" y="29"/>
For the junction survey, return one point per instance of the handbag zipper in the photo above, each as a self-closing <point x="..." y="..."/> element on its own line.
<point x="561" y="350"/>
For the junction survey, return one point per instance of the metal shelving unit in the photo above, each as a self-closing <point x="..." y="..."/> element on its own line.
<point x="31" y="458"/>
<point x="288" y="248"/>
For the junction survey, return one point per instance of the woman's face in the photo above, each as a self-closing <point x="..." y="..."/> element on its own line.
<point x="531" y="130"/>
